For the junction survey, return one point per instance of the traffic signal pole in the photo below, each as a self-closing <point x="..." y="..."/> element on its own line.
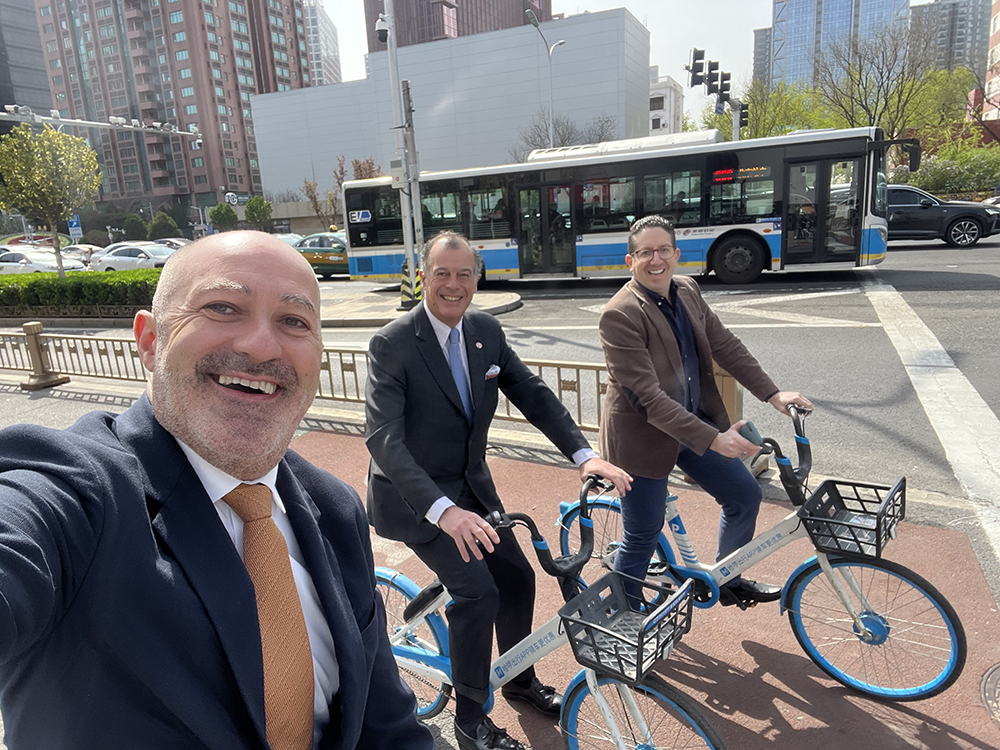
<point x="736" y="109"/>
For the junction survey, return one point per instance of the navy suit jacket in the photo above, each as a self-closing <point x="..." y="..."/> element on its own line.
<point x="422" y="445"/>
<point x="127" y="619"/>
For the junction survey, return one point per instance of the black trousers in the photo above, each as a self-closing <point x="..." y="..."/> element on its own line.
<point x="498" y="591"/>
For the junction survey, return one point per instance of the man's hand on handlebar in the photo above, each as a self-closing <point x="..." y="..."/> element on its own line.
<point x="782" y="399"/>
<point x="732" y="444"/>
<point x="469" y="531"/>
<point x="621" y="479"/>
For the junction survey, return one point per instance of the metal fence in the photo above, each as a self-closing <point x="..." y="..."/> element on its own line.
<point x="580" y="386"/>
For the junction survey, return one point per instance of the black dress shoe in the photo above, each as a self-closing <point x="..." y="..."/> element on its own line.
<point x="488" y="737"/>
<point x="542" y="697"/>
<point x="746" y="593"/>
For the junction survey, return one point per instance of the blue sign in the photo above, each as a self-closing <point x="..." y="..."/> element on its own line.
<point x="74" y="227"/>
<point x="360" y="217"/>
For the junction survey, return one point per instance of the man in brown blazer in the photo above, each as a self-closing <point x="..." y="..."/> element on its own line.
<point x="663" y="408"/>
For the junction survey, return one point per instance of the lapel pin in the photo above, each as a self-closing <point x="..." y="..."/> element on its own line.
<point x="479" y="344"/>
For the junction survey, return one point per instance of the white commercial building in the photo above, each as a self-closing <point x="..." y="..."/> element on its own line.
<point x="666" y="103"/>
<point x="472" y="97"/>
<point x="321" y="39"/>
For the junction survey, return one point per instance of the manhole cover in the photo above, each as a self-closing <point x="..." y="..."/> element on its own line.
<point x="991" y="692"/>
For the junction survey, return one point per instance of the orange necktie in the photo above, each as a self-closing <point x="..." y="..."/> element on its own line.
<point x="288" y="667"/>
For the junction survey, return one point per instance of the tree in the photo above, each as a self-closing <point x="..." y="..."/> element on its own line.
<point x="283" y="196"/>
<point x="319" y="206"/>
<point x="877" y="79"/>
<point x="773" y="111"/>
<point x="258" y="212"/>
<point x="162" y="225"/>
<point x="565" y="132"/>
<point x="47" y="177"/>
<point x="223" y="217"/>
<point x="364" y="168"/>
<point x="134" y="227"/>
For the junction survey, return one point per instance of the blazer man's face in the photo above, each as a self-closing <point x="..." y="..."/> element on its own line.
<point x="449" y="282"/>
<point x="235" y="352"/>
<point x="655" y="259"/>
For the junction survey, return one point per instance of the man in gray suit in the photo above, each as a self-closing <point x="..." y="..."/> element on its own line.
<point x="662" y="405"/>
<point x="433" y="383"/>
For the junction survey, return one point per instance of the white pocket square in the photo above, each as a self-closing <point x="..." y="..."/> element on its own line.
<point x="492" y="372"/>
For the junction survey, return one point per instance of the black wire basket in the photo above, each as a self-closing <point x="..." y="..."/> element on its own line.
<point x="621" y="626"/>
<point x="854" y="518"/>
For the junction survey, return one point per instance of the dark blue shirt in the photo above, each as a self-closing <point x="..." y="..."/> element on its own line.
<point x="680" y="324"/>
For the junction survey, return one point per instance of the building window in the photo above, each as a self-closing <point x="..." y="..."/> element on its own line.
<point x="655" y="124"/>
<point x="200" y="179"/>
<point x="57" y="80"/>
<point x="57" y="63"/>
<point x="184" y="73"/>
<point x="45" y="11"/>
<point x="191" y="109"/>
<point x="655" y="103"/>
<point x="181" y="54"/>
<point x="177" y="16"/>
<point x="180" y="36"/>
<point x="187" y="91"/>
<point x="220" y="92"/>
<point x="198" y="161"/>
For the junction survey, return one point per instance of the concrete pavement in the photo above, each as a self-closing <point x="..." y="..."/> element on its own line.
<point x="744" y="668"/>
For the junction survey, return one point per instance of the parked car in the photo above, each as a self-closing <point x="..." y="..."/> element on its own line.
<point x="325" y="251"/>
<point x="133" y="257"/>
<point x="174" y="242"/>
<point x="916" y="215"/>
<point x="81" y="253"/>
<point x="33" y="261"/>
<point x="115" y="245"/>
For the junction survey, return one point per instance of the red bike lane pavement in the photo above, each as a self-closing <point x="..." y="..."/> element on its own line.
<point x="746" y="669"/>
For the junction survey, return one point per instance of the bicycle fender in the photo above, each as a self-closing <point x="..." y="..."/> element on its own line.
<point x="784" y="589"/>
<point x="579" y="677"/>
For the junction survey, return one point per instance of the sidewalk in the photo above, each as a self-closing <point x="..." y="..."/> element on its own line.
<point x="744" y="668"/>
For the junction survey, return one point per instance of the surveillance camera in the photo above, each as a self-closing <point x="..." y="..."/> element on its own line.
<point x="382" y="29"/>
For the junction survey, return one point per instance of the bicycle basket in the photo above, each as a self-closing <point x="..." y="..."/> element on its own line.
<point x="852" y="518"/>
<point x="622" y="635"/>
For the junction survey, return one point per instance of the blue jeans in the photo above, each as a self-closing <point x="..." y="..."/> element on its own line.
<point x="643" y="509"/>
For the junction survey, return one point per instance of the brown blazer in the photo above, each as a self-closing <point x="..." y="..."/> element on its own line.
<point x="644" y="421"/>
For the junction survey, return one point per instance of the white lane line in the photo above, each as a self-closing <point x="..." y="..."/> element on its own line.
<point x="968" y="429"/>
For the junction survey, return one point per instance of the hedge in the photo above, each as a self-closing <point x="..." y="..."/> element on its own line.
<point x="79" y="288"/>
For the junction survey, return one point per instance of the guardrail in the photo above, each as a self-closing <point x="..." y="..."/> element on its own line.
<point x="52" y="357"/>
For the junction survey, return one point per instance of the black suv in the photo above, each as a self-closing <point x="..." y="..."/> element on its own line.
<point x="916" y="215"/>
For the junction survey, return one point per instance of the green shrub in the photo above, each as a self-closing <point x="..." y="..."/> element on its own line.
<point x="79" y="288"/>
<point x="162" y="226"/>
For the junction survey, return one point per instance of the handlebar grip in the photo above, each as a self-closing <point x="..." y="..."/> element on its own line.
<point x="750" y="432"/>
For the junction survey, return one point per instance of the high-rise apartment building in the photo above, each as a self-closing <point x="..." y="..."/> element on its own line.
<point x="419" y="21"/>
<point x="190" y="63"/>
<point x="960" y="30"/>
<point x="323" y="46"/>
<point x="762" y="55"/>
<point x="804" y="30"/>
<point x="22" y="66"/>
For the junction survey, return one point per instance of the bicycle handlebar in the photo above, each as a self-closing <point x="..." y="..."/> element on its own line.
<point x="566" y="568"/>
<point x="794" y="479"/>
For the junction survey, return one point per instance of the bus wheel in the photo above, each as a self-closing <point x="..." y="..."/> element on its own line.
<point x="739" y="260"/>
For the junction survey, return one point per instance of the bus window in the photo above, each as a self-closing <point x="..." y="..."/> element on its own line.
<point x="490" y="215"/>
<point x="606" y="205"/>
<point x="388" y="217"/>
<point x="741" y="201"/>
<point x="676" y="195"/>
<point x="440" y="212"/>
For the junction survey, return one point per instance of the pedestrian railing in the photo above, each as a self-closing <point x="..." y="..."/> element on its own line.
<point x="51" y="357"/>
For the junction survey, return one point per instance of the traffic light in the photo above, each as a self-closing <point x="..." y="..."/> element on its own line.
<point x="744" y="115"/>
<point x="724" y="86"/>
<point x="697" y="67"/>
<point x="712" y="77"/>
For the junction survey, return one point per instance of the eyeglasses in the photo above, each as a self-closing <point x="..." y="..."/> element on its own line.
<point x="665" y="253"/>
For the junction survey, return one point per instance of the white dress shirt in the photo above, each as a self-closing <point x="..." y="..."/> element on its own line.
<point x="326" y="675"/>
<point x="442" y="331"/>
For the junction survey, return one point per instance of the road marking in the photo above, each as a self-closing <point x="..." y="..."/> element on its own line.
<point x="968" y="429"/>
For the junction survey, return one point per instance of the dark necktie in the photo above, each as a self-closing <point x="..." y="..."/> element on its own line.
<point x="458" y="372"/>
<point x="288" y="667"/>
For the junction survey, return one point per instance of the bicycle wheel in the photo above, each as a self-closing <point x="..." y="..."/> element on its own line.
<point x="674" y="720"/>
<point x="918" y="648"/>
<point x="607" y="517"/>
<point x="397" y="592"/>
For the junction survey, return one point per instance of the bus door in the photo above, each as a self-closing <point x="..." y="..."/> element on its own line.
<point x="545" y="239"/>
<point x="822" y="221"/>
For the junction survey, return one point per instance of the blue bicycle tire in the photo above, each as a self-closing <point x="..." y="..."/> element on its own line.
<point x="673" y="718"/>
<point x="919" y="647"/>
<point x="397" y="591"/>
<point x="606" y="514"/>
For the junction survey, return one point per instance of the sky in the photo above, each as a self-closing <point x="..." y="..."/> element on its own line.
<point x="724" y="28"/>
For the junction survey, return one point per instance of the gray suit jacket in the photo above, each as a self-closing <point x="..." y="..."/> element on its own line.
<point x="421" y="443"/>
<point x="644" y="420"/>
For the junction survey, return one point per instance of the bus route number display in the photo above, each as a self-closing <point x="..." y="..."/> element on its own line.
<point x="743" y="173"/>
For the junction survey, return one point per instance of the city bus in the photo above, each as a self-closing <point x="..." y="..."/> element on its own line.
<point x="807" y="200"/>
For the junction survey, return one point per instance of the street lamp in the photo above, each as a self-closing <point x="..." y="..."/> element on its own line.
<point x="533" y="20"/>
